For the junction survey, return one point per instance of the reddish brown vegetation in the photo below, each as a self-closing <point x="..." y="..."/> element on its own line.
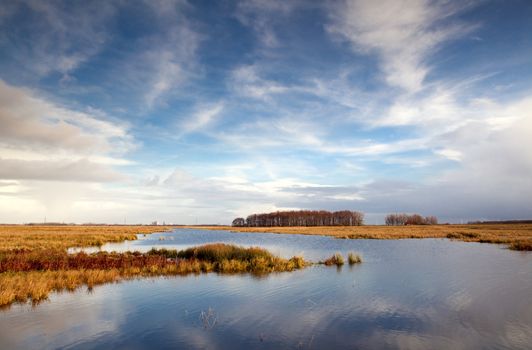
<point x="25" y="260"/>
<point x="521" y="245"/>
<point x="32" y="274"/>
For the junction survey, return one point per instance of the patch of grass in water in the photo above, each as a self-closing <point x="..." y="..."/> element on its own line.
<point x="353" y="258"/>
<point x="30" y="275"/>
<point x="337" y="259"/>
<point x="217" y="252"/>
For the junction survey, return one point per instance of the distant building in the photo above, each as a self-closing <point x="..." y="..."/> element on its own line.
<point x="155" y="223"/>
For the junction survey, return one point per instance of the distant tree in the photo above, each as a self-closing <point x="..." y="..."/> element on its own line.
<point x="415" y="219"/>
<point x="239" y="222"/>
<point x="405" y="219"/>
<point x="304" y="218"/>
<point x="390" y="220"/>
<point x="431" y="220"/>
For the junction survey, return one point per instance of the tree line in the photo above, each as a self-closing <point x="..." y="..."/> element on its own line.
<point x="302" y="218"/>
<point x="405" y="219"/>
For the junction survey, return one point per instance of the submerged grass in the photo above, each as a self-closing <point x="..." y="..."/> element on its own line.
<point x="517" y="236"/>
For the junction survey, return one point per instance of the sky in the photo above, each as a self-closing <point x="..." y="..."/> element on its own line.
<point x="201" y="111"/>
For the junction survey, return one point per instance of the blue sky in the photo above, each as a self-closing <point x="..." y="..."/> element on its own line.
<point x="202" y="111"/>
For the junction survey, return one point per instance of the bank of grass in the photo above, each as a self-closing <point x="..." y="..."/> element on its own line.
<point x="30" y="275"/>
<point x="516" y="236"/>
<point x="521" y="245"/>
<point x="35" y="237"/>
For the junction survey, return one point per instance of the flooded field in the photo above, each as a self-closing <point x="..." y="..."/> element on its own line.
<point x="429" y="293"/>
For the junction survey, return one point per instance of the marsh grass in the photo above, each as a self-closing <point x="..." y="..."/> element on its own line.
<point x="34" y="259"/>
<point x="517" y="236"/>
<point x="521" y="245"/>
<point x="217" y="252"/>
<point x="337" y="259"/>
<point x="30" y="275"/>
<point x="353" y="258"/>
<point x="64" y="237"/>
<point x="167" y="253"/>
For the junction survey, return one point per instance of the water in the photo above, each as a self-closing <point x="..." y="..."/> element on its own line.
<point x="412" y="294"/>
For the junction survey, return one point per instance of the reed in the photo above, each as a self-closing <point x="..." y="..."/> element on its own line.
<point x="353" y="258"/>
<point x="30" y="275"/>
<point x="217" y="252"/>
<point x="521" y="245"/>
<point x="337" y="259"/>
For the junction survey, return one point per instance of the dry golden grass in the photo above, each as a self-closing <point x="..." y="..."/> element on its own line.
<point x="518" y="236"/>
<point x="34" y="260"/>
<point x="353" y="258"/>
<point x="337" y="259"/>
<point x="35" y="286"/>
<point x="63" y="237"/>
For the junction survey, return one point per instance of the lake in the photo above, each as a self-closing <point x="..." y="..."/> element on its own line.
<point x="407" y="294"/>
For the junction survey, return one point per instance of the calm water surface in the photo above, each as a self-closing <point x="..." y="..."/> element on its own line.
<point x="408" y="294"/>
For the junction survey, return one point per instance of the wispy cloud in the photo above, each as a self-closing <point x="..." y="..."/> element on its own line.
<point x="58" y="38"/>
<point x="170" y="54"/>
<point x="247" y="82"/>
<point x="203" y="117"/>
<point x="402" y="33"/>
<point x="262" y="17"/>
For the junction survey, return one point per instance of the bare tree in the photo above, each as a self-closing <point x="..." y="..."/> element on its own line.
<point x="239" y="222"/>
<point x="304" y="218"/>
<point x="405" y="219"/>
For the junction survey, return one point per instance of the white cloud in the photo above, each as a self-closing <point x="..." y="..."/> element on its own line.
<point x="80" y="170"/>
<point x="30" y="122"/>
<point x="168" y="73"/>
<point x="42" y="140"/>
<point x="262" y="17"/>
<point x="402" y="33"/>
<point x="247" y="82"/>
<point x="170" y="55"/>
<point x="450" y="154"/>
<point x="303" y="133"/>
<point x="204" y="116"/>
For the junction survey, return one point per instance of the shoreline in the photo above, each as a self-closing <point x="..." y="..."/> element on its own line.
<point x="516" y="236"/>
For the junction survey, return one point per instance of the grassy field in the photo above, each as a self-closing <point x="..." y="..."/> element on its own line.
<point x="34" y="260"/>
<point x="63" y="237"/>
<point x="516" y="236"/>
